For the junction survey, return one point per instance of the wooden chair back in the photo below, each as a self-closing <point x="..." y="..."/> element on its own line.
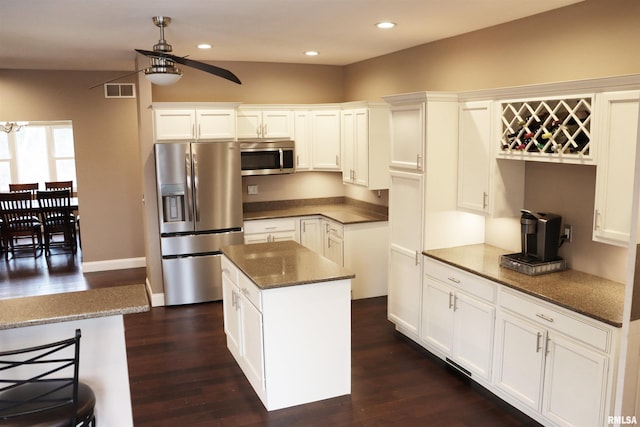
<point x="31" y="187"/>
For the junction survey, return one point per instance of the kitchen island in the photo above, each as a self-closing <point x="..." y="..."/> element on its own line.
<point x="98" y="313"/>
<point x="287" y="317"/>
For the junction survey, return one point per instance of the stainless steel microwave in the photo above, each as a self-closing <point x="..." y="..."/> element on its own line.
<point x="267" y="157"/>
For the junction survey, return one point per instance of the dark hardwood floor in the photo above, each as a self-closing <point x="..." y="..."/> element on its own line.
<point x="181" y="372"/>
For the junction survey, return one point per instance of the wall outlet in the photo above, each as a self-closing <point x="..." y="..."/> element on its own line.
<point x="252" y="190"/>
<point x="568" y="233"/>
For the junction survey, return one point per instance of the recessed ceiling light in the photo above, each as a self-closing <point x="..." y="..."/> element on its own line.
<point x="385" y="25"/>
<point x="311" y="53"/>
<point x="204" y="46"/>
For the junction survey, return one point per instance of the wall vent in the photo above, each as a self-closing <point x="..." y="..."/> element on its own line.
<point x="119" y="90"/>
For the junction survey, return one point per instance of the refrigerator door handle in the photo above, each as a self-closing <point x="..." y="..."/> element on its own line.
<point x="196" y="195"/>
<point x="188" y="175"/>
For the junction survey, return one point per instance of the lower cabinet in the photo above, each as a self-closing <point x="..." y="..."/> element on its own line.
<point x="292" y="343"/>
<point x="552" y="362"/>
<point x="332" y="241"/>
<point x="270" y="230"/>
<point x="455" y="323"/>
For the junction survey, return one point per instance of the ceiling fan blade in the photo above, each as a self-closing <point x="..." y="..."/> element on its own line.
<point x="116" y="78"/>
<point x="207" y="68"/>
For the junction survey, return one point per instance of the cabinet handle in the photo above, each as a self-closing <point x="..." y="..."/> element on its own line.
<point x="596" y="223"/>
<point x="538" y="347"/>
<point x="547" y="346"/>
<point x="199" y="131"/>
<point x="304" y="227"/>
<point x="451" y="303"/>
<point x="485" y="200"/>
<point x="544" y="317"/>
<point x="337" y="161"/>
<point x="419" y="161"/>
<point x="270" y="228"/>
<point x="244" y="291"/>
<point x="297" y="160"/>
<point x="417" y="257"/>
<point x="453" y="279"/>
<point x="264" y="130"/>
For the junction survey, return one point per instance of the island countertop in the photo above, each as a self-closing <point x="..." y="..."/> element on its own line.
<point x="63" y="307"/>
<point x="279" y="264"/>
<point x="590" y="295"/>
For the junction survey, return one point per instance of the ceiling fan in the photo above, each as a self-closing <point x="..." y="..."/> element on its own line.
<point x="163" y="70"/>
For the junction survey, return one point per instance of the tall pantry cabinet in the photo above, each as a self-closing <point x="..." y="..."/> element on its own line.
<point x="423" y="182"/>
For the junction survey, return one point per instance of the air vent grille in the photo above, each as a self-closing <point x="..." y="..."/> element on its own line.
<point x="119" y="90"/>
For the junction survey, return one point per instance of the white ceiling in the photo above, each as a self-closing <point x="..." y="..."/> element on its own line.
<point x="101" y="34"/>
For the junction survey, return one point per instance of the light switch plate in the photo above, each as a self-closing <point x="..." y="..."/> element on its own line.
<point x="252" y="189"/>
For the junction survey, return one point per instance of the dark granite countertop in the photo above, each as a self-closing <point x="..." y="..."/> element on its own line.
<point x="279" y="264"/>
<point x="342" y="210"/>
<point x="592" y="296"/>
<point x="64" y="307"/>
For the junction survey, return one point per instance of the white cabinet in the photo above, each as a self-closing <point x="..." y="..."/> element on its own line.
<point x="554" y="362"/>
<point x="405" y="246"/>
<point x="617" y="114"/>
<point x="458" y="315"/>
<point x="293" y="343"/>
<point x="365" y="146"/>
<point x="407" y="145"/>
<point x="485" y="185"/>
<point x="302" y="137"/>
<point x="270" y="230"/>
<point x="325" y="140"/>
<point x="312" y="233"/>
<point x="194" y="124"/>
<point x="254" y="122"/>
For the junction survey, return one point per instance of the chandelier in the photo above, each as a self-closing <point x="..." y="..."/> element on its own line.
<point x="12" y="126"/>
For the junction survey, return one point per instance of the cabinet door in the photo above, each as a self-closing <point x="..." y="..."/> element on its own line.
<point x="575" y="384"/>
<point x="216" y="124"/>
<point x="231" y="315"/>
<point x="249" y="123"/>
<point x="437" y="315"/>
<point x="256" y="238"/>
<point x="348" y="146"/>
<point x="407" y="136"/>
<point x="618" y="134"/>
<point x="174" y="124"/>
<point x="519" y="363"/>
<point x="361" y="147"/>
<point x="252" y="342"/>
<point x="310" y="234"/>
<point x="334" y="250"/>
<point x="405" y="259"/>
<point x="302" y="132"/>
<point x="473" y="334"/>
<point x="277" y="124"/>
<point x="474" y="156"/>
<point x="325" y="140"/>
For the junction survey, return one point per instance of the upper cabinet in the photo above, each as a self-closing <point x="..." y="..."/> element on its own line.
<point x="194" y="123"/>
<point x="408" y="133"/>
<point x="317" y="136"/>
<point x="485" y="186"/>
<point x="617" y="133"/>
<point x="256" y="122"/>
<point x="365" y="145"/>
<point x="549" y="129"/>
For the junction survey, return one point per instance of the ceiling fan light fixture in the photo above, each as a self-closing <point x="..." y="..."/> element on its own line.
<point x="163" y="78"/>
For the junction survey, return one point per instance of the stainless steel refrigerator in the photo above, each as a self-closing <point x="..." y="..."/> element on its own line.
<point x="199" y="210"/>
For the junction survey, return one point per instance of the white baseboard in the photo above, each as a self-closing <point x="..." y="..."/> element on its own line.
<point x="157" y="300"/>
<point x="114" y="264"/>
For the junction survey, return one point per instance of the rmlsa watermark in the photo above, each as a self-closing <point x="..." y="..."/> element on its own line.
<point x="622" y="420"/>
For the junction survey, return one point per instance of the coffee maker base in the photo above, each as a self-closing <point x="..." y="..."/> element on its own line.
<point x="531" y="266"/>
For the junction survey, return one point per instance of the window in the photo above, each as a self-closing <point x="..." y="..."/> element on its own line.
<point x="39" y="152"/>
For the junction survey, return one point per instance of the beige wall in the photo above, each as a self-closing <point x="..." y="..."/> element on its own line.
<point x="106" y="146"/>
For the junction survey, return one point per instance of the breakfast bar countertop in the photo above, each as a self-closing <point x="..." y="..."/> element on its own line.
<point x="63" y="307"/>
<point x="583" y="293"/>
<point x="280" y="264"/>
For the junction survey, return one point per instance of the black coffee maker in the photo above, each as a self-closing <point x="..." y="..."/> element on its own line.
<point x="540" y="233"/>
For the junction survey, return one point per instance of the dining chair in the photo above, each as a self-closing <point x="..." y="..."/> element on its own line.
<point x="19" y="220"/>
<point x="55" y="210"/>
<point x="29" y="187"/>
<point x="61" y="185"/>
<point x="39" y="386"/>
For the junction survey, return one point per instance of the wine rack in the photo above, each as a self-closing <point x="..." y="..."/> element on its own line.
<point x="548" y="127"/>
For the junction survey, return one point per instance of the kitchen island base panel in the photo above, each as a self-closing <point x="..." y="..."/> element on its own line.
<point x="307" y="336"/>
<point x="103" y="361"/>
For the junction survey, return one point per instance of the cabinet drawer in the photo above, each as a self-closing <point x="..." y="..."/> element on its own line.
<point x="229" y="269"/>
<point x="470" y="283"/>
<point x="270" y="226"/>
<point x="334" y="229"/>
<point x="583" y="330"/>
<point x="251" y="291"/>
